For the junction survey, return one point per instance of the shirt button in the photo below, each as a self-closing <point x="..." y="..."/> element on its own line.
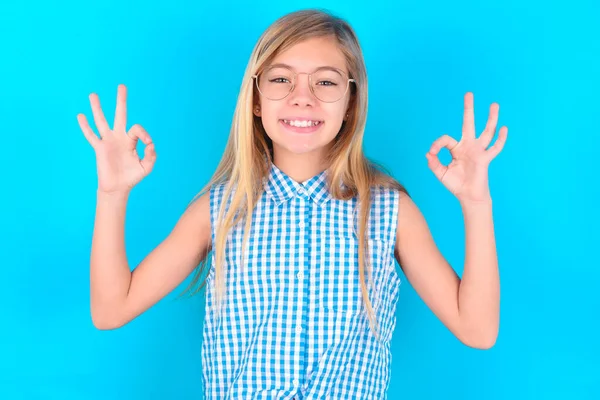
<point x="300" y="191"/>
<point x="301" y="224"/>
<point x="300" y="275"/>
<point x="296" y="383"/>
<point x="299" y="330"/>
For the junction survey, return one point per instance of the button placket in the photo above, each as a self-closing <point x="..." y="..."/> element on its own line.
<point x="302" y="226"/>
<point x="303" y="230"/>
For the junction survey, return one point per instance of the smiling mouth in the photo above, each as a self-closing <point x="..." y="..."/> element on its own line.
<point x="302" y="124"/>
<point x="301" y="127"/>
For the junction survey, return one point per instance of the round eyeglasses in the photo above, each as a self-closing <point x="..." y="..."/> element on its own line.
<point x="327" y="84"/>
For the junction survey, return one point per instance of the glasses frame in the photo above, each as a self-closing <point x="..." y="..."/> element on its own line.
<point x="295" y="80"/>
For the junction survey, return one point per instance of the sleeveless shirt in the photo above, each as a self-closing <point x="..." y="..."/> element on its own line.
<point x="292" y="323"/>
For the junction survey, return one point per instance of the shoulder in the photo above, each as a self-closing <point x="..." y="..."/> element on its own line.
<point x="384" y="193"/>
<point x="217" y="190"/>
<point x="198" y="211"/>
<point x="410" y="224"/>
<point x="388" y="200"/>
<point x="384" y="205"/>
<point x="394" y="204"/>
<point x="408" y="211"/>
<point x="194" y="225"/>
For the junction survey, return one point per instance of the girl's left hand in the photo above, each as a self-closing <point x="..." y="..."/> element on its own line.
<point x="467" y="174"/>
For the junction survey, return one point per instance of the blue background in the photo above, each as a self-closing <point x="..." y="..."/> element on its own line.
<point x="182" y="62"/>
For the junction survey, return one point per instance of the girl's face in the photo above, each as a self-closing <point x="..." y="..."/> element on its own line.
<point x="283" y="119"/>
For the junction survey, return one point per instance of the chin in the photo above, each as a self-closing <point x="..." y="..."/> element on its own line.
<point x="297" y="148"/>
<point x="294" y="143"/>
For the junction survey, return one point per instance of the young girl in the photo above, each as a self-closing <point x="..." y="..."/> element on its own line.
<point x="302" y="230"/>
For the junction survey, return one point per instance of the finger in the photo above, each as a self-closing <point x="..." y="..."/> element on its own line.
<point x="494" y="150"/>
<point x="444" y="141"/>
<point x="436" y="166"/>
<point x="121" y="111"/>
<point x="138" y="132"/>
<point x="87" y="130"/>
<point x="468" y="128"/>
<point x="99" y="119"/>
<point x="149" y="158"/>
<point x="490" y="128"/>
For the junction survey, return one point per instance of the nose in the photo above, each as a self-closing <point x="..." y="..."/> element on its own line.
<point x="302" y="95"/>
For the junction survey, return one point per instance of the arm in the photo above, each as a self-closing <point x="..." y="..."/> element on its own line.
<point x="118" y="295"/>
<point x="468" y="308"/>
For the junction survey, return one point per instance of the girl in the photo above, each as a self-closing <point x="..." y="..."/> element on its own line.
<point x="302" y="230"/>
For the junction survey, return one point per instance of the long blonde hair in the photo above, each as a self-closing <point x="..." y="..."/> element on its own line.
<point x="248" y="154"/>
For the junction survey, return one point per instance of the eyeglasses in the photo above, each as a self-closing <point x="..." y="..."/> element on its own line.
<point x="327" y="84"/>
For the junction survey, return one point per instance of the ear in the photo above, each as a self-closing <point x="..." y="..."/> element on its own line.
<point x="348" y="110"/>
<point x="256" y="110"/>
<point x="349" y="106"/>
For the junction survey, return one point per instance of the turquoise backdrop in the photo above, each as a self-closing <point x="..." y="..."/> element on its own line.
<point x="182" y="62"/>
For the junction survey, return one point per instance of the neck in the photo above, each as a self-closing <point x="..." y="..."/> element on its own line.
<point x="299" y="167"/>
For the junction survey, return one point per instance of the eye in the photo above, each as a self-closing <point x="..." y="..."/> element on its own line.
<point x="279" y="80"/>
<point x="329" y="83"/>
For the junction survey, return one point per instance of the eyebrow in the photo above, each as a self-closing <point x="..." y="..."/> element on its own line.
<point x="329" y="67"/>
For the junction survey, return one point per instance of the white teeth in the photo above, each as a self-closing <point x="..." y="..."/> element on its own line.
<point x="302" y="124"/>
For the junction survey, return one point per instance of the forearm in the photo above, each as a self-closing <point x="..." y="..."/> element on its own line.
<point x="110" y="275"/>
<point x="479" y="292"/>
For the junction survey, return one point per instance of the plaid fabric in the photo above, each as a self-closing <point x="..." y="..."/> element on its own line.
<point x="291" y="324"/>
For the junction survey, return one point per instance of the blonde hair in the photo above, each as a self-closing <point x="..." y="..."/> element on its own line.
<point x="248" y="154"/>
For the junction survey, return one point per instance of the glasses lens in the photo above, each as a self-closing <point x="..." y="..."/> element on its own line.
<point x="329" y="85"/>
<point x="275" y="83"/>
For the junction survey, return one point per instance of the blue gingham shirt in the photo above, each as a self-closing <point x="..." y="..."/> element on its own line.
<point x="292" y="324"/>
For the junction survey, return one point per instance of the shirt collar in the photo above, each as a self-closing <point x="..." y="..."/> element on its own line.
<point x="280" y="187"/>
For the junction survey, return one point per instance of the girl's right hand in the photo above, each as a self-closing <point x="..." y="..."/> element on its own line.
<point x="118" y="164"/>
